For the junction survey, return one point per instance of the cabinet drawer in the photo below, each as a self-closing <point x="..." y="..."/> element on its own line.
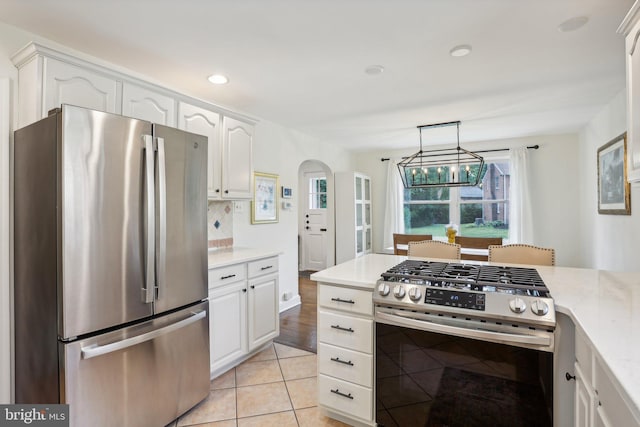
<point x="345" y="299"/>
<point x="225" y="275"/>
<point x="263" y="266"/>
<point x="584" y="356"/>
<point x="345" y="331"/>
<point x="345" y="364"/>
<point x="346" y="397"/>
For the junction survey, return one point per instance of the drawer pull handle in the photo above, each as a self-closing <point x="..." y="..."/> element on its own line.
<point x="227" y="277"/>
<point x="342" y="329"/>
<point x="348" y="301"/>
<point x="267" y="267"/>
<point x="337" y="359"/>
<point x="339" y="393"/>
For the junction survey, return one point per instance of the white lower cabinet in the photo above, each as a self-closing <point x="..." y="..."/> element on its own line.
<point x="599" y="401"/>
<point x="264" y="323"/>
<point x="243" y="311"/>
<point x="227" y="324"/>
<point x="345" y="354"/>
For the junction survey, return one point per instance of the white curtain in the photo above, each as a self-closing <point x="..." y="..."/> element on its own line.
<point x="394" y="210"/>
<point x="520" y="222"/>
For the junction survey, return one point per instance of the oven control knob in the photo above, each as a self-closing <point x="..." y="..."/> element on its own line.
<point x="415" y="294"/>
<point x="539" y="307"/>
<point x="398" y="291"/>
<point x="383" y="289"/>
<point x="517" y="305"/>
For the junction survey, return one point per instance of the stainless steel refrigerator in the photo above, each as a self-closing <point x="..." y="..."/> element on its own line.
<point x="110" y="232"/>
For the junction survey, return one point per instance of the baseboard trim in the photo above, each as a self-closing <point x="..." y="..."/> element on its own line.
<point x="286" y="305"/>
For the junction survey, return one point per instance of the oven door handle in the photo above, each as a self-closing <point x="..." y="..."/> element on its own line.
<point x="503" y="337"/>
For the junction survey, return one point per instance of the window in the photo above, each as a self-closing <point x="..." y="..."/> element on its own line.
<point x="318" y="193"/>
<point x="481" y="211"/>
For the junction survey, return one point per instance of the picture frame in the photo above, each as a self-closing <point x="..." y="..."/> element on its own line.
<point x="287" y="193"/>
<point x="614" y="190"/>
<point x="264" y="207"/>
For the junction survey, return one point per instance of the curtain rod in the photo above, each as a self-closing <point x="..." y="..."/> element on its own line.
<point x="531" y="147"/>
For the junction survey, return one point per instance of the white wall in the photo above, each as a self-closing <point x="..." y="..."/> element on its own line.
<point x="554" y="189"/>
<point x="610" y="242"/>
<point x="9" y="40"/>
<point x="281" y="151"/>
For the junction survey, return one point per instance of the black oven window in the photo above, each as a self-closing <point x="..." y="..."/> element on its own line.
<point x="426" y="379"/>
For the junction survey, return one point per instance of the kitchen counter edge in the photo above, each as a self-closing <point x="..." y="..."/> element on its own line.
<point x="236" y="255"/>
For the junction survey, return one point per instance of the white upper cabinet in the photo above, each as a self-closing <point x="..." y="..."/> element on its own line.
<point x="237" y="158"/>
<point x="49" y="78"/>
<point x="68" y="84"/>
<point x="45" y="83"/>
<point x="145" y="104"/>
<point x="205" y="122"/>
<point x="630" y="27"/>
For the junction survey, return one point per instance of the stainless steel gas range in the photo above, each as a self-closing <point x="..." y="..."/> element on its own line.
<point x="463" y="344"/>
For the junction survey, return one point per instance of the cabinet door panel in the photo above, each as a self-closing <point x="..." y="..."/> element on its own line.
<point x="227" y="328"/>
<point x="204" y="122"/>
<point x="237" y="155"/>
<point x="144" y="104"/>
<point x="264" y="323"/>
<point x="67" y="84"/>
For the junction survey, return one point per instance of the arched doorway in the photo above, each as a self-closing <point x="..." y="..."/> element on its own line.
<point x="316" y="249"/>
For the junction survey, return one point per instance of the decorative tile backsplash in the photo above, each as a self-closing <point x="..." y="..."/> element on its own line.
<point x="220" y="224"/>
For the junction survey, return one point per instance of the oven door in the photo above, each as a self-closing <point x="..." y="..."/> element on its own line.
<point x="430" y="374"/>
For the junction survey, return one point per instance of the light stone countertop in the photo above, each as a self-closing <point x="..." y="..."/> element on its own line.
<point x="235" y="255"/>
<point x="604" y="305"/>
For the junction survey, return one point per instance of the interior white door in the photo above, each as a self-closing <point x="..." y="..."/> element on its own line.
<point x="314" y="239"/>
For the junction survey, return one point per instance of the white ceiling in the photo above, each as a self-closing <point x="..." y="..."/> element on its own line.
<point x="300" y="63"/>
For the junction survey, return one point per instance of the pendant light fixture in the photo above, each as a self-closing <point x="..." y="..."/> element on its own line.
<point x="449" y="167"/>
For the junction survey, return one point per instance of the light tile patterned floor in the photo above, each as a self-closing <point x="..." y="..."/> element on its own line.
<point x="276" y="387"/>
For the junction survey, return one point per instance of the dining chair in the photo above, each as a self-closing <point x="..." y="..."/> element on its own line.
<point x="522" y="254"/>
<point x="476" y="243"/>
<point x="400" y="241"/>
<point x="434" y="249"/>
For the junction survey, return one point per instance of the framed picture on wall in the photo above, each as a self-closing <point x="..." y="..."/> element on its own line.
<point x="264" y="207"/>
<point x="614" y="192"/>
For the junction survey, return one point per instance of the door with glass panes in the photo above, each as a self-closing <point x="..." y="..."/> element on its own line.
<point x="314" y="251"/>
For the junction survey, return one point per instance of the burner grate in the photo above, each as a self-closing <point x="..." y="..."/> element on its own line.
<point x="489" y="278"/>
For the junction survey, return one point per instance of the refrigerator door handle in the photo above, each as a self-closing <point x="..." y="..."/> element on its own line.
<point x="100" y="350"/>
<point x="162" y="218"/>
<point x="150" y="279"/>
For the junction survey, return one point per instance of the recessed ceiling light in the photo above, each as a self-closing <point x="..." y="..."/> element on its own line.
<point x="573" y="24"/>
<point x="218" y="79"/>
<point x="374" y="70"/>
<point x="461" y="50"/>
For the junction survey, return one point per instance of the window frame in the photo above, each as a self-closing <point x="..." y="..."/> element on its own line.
<point x="455" y="201"/>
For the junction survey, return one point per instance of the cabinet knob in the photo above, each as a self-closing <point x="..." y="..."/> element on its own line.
<point x="244" y="290"/>
<point x="217" y="190"/>
<point x="226" y="191"/>
<point x="307" y="227"/>
<point x="569" y="377"/>
<point x="253" y="287"/>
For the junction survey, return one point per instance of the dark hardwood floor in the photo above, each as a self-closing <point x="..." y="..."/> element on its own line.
<point x="298" y="324"/>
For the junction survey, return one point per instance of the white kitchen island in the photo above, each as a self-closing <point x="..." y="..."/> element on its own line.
<point x="603" y="306"/>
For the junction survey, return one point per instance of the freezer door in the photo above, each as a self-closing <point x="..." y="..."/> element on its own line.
<point x="102" y="185"/>
<point x="181" y="218"/>
<point x="145" y="375"/>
